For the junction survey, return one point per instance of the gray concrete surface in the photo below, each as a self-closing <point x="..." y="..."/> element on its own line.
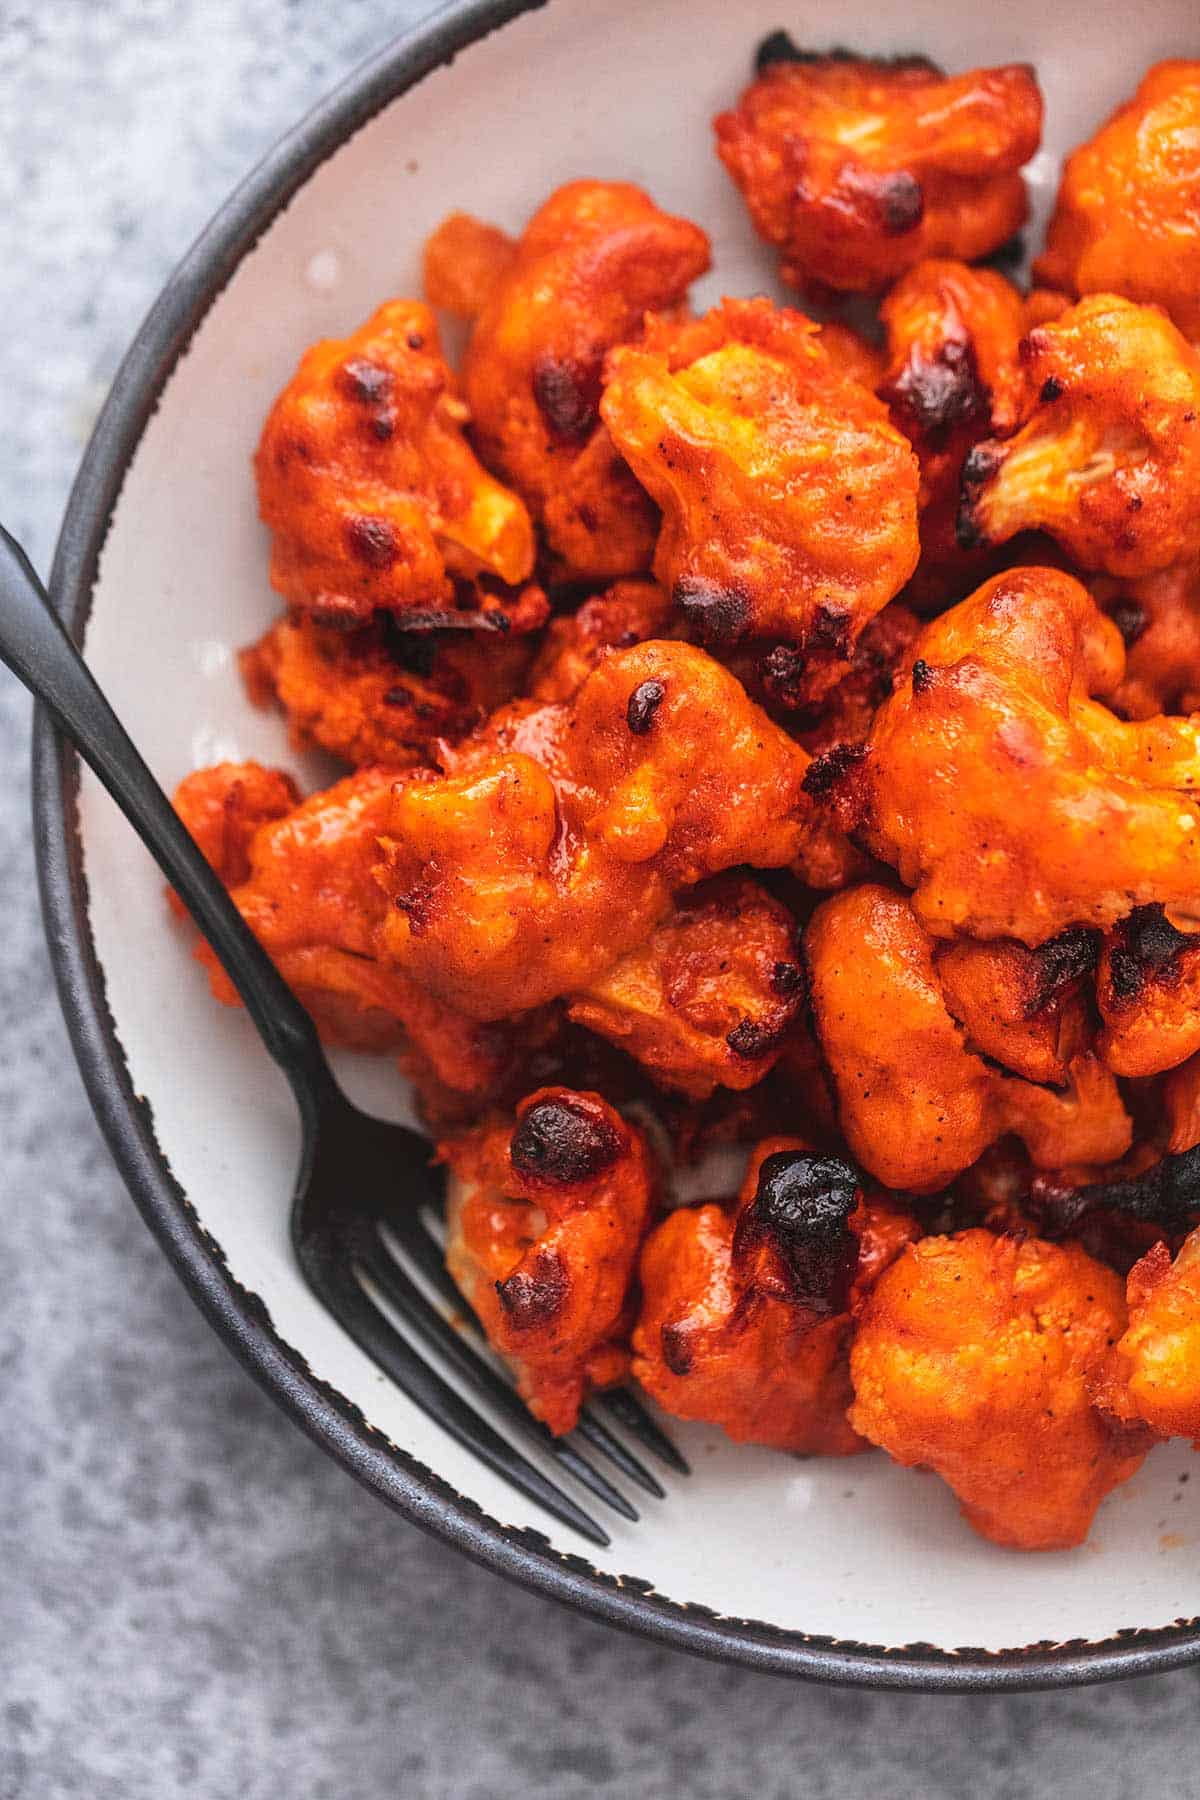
<point x="193" y="1600"/>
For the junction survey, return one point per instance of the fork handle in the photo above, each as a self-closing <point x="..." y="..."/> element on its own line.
<point x="37" y="649"/>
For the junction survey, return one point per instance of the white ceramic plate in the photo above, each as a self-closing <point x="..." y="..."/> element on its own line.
<point x="851" y="1570"/>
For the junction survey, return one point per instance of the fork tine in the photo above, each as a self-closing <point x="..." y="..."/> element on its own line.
<point x="630" y="1413"/>
<point x="413" y="1307"/>
<point x="597" y="1434"/>
<point x="411" y="1231"/>
<point x="427" y="1253"/>
<point x="337" y="1288"/>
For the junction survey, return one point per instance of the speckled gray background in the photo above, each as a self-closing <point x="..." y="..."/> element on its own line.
<point x="193" y="1600"/>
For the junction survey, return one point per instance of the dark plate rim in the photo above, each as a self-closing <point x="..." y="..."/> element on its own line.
<point x="239" y="1316"/>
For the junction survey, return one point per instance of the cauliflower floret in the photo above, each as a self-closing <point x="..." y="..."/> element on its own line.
<point x="590" y="263"/>
<point x="748" y="1310"/>
<point x="855" y="168"/>
<point x="789" y="501"/>
<point x="1010" y="801"/>
<point x="556" y="839"/>
<point x="375" y="500"/>
<point x="916" y="1103"/>
<point x="1127" y="220"/>
<point x="1107" y="457"/>
<point x="1156" y="1368"/>
<point x="545" y="1215"/>
<point x="979" y="1357"/>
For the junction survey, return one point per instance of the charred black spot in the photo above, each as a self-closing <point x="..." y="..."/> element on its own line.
<point x="829" y="631"/>
<point x="565" y="1141"/>
<point x="1064" y="960"/>
<point x="568" y="396"/>
<point x="931" y="396"/>
<point x="788" y="979"/>
<point x="371" y="385"/>
<point x="372" y="540"/>
<point x="1130" y="620"/>
<point x="781" y="672"/>
<point x="534" y="1295"/>
<point x="416" y="905"/>
<point x="981" y="464"/>
<point x="677" y="1350"/>
<point x="1167" y="1194"/>
<point x="910" y="62"/>
<point x="644" y="702"/>
<point x="1152" y="937"/>
<point x="826" y="772"/>
<point x="1052" y="390"/>
<point x="922" y="677"/>
<point x="1148" y="949"/>
<point x="780" y="47"/>
<point x="892" y="200"/>
<point x="901" y="203"/>
<point x="415" y="651"/>
<point x="1125" y="978"/>
<point x="718" y="615"/>
<point x="397" y="696"/>
<point x="365" y="381"/>
<point x="800" y="1210"/>
<point x="750" y="1039"/>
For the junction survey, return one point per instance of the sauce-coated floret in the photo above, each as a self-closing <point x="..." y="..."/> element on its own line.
<point x="545" y="1215"/>
<point x="304" y="884"/>
<point x="916" y="1102"/>
<point x="747" y="1309"/>
<point x="1148" y="990"/>
<point x="224" y="806"/>
<point x="1181" y="1105"/>
<point x="953" y="377"/>
<point x="1127" y="220"/>
<point x="556" y="839"/>
<point x="1159" y="619"/>
<point x="1027" y="1009"/>
<point x="789" y="500"/>
<point x="709" y="998"/>
<point x="627" y="613"/>
<point x="1107" y="457"/>
<point x="1156" y="1368"/>
<point x="463" y="263"/>
<point x="375" y="500"/>
<point x="592" y="260"/>
<point x="855" y="168"/>
<point x="1012" y="803"/>
<point x="980" y="1357"/>
<point x="844" y="715"/>
<point x="371" y="695"/>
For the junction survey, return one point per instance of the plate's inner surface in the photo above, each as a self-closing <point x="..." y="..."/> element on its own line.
<point x="853" y="1549"/>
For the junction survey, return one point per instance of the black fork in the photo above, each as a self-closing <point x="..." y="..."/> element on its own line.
<point x="365" y="1191"/>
